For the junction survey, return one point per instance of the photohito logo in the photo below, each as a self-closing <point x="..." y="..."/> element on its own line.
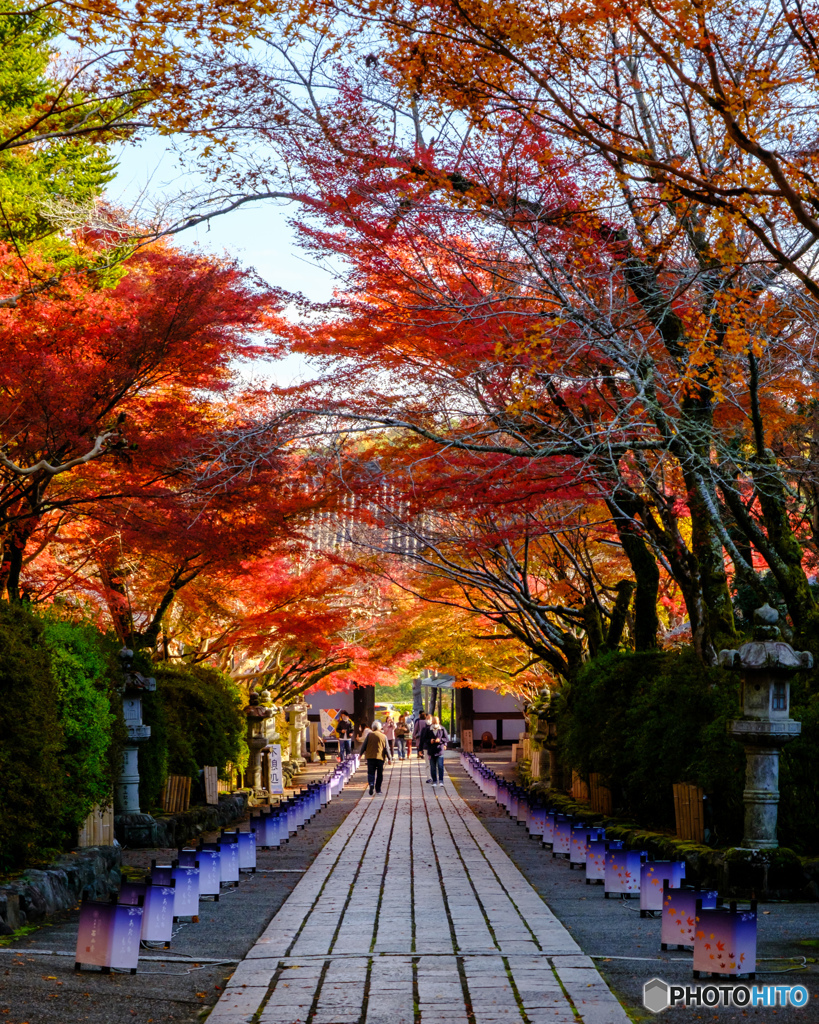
<point x="658" y="995"/>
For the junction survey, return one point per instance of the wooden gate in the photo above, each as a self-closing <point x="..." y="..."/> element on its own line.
<point x="177" y="795"/>
<point x="98" y="828"/>
<point x="688" y="811"/>
<point x="211" y="784"/>
<point x="580" y="789"/>
<point x="600" y="795"/>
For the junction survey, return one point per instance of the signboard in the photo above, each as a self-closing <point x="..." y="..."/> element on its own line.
<point x="276" y="777"/>
<point x="327" y="723"/>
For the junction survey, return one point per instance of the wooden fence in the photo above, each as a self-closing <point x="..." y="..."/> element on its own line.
<point x="98" y="828"/>
<point x="580" y="789"/>
<point x="688" y="812"/>
<point x="233" y="781"/>
<point x="211" y="784"/>
<point x="600" y="795"/>
<point x="177" y="795"/>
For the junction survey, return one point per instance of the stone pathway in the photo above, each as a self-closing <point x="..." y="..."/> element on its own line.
<point x="412" y="914"/>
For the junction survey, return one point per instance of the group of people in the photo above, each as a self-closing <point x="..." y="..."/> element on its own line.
<point x="383" y="743"/>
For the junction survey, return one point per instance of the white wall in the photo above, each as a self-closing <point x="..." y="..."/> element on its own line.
<point x="321" y="700"/>
<point x="489" y="700"/>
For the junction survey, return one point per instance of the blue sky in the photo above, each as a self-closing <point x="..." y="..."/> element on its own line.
<point x="258" y="235"/>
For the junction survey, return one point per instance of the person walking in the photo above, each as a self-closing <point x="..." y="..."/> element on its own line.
<point x="436" y="741"/>
<point x="417" y="729"/>
<point x="361" y="734"/>
<point x="375" y="750"/>
<point x="401" y="733"/>
<point x="423" y="742"/>
<point x="344" y="731"/>
<point x="389" y="734"/>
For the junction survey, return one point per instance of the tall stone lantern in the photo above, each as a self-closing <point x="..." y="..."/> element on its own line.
<point x="297" y="720"/>
<point x="132" y="826"/>
<point x="765" y="665"/>
<point x="260" y="729"/>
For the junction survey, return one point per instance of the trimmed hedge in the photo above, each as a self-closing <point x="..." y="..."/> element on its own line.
<point x="196" y="719"/>
<point x="59" y="749"/>
<point x="647" y="720"/>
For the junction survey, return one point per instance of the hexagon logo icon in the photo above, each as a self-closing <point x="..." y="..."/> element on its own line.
<point x="655" y="995"/>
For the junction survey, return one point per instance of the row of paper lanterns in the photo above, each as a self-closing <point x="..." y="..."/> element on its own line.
<point x="723" y="937"/>
<point x="110" y="933"/>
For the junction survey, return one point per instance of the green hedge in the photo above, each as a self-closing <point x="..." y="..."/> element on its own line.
<point x="59" y="749"/>
<point x="647" y="720"/>
<point x="196" y="719"/>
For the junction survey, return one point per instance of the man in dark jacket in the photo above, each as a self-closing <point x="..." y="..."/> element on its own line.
<point x="375" y="749"/>
<point x="417" y="728"/>
<point x="436" y="740"/>
<point x="344" y="731"/>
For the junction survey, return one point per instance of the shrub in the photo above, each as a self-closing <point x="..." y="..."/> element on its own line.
<point x="85" y="670"/>
<point x="60" y="734"/>
<point x="647" y="720"/>
<point x="202" y="718"/>
<point x="33" y="782"/>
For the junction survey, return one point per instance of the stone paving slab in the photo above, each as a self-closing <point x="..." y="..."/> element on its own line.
<point x="412" y="914"/>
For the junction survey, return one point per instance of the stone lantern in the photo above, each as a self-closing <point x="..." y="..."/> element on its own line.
<point x="297" y="720"/>
<point x="260" y="726"/>
<point x="765" y="665"/>
<point x="133" y="828"/>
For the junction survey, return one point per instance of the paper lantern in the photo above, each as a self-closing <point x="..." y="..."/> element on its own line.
<point x="247" y="851"/>
<point x="109" y="935"/>
<point x="210" y="869"/>
<point x="562" y="839"/>
<point x="623" y="869"/>
<point x="680" y="913"/>
<point x="596" y="858"/>
<point x="654" y="874"/>
<point x="580" y="838"/>
<point x="725" y="940"/>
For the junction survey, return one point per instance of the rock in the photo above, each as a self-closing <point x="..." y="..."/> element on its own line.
<point x="41" y="893"/>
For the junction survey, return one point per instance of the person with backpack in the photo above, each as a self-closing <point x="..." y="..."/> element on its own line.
<point x="435" y="743"/>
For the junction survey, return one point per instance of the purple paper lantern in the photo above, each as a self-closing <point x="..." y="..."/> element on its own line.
<point x="680" y="914"/>
<point x="623" y="869"/>
<point x="725" y="940"/>
<point x="652" y="877"/>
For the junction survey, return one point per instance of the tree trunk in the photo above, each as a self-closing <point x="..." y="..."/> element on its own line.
<point x="646" y="572"/>
<point x="619" y="614"/>
<point x="594" y="626"/>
